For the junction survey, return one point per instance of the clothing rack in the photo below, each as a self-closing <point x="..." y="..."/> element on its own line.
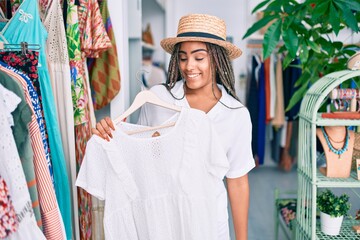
<point x="23" y="46"/>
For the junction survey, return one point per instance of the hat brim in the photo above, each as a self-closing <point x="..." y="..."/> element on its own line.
<point x="168" y="44"/>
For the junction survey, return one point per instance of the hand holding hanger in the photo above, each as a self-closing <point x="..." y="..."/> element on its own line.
<point x="141" y="98"/>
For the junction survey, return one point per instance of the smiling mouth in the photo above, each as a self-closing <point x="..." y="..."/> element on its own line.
<point x="193" y="75"/>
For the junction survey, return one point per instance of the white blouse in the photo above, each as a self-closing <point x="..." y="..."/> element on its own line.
<point x="158" y="188"/>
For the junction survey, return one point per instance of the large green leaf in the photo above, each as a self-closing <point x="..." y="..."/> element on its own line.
<point x="287" y="60"/>
<point x="353" y="5"/>
<point x="320" y="9"/>
<point x="304" y="53"/>
<point x="298" y="95"/>
<point x="348" y="16"/>
<point x="334" y="19"/>
<point x="325" y="45"/>
<point x="260" y="5"/>
<point x="304" y="78"/>
<point x="291" y="41"/>
<point x="259" y="24"/>
<point x="315" y="47"/>
<point x="271" y="38"/>
<point x="288" y="21"/>
<point x="275" y="6"/>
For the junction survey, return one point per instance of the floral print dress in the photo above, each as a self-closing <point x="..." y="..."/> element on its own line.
<point x="81" y="113"/>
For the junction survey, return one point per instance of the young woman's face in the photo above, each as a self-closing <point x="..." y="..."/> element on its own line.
<point x="195" y="65"/>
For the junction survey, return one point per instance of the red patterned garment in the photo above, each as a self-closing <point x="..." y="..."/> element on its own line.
<point x="8" y="220"/>
<point x="104" y="72"/>
<point x="93" y="36"/>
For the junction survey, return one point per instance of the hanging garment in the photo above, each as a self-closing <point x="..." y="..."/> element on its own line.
<point x="267" y="90"/>
<point x="27" y="26"/>
<point x="291" y="75"/>
<point x="157" y="190"/>
<point x="262" y="114"/>
<point x="22" y="117"/>
<point x="28" y="65"/>
<point x="104" y="72"/>
<point x="81" y="118"/>
<point x="279" y="118"/>
<point x="8" y="220"/>
<point x="236" y="140"/>
<point x="11" y="170"/>
<point x="93" y="36"/>
<point x="59" y="69"/>
<point x="48" y="205"/>
<point x="78" y="76"/>
<point x="253" y="105"/>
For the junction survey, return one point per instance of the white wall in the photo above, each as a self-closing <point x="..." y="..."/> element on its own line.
<point x="152" y="13"/>
<point x="119" y="18"/>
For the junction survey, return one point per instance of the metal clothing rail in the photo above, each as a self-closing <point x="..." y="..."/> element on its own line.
<point x="24" y="47"/>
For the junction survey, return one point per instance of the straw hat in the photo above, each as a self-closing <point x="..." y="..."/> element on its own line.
<point x="203" y="28"/>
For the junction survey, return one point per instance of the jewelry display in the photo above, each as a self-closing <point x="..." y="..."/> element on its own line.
<point x="338" y="145"/>
<point x="331" y="147"/>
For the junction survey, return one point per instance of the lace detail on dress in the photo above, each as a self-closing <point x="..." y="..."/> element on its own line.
<point x="57" y="45"/>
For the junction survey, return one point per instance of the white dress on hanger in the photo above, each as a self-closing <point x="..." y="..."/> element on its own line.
<point x="158" y="188"/>
<point x="12" y="172"/>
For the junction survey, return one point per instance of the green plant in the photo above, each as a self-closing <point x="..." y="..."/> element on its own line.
<point x="304" y="30"/>
<point x="333" y="205"/>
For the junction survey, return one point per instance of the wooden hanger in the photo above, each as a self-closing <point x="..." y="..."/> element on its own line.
<point x="146" y="96"/>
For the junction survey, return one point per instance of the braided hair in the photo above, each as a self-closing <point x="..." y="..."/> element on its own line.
<point x="219" y="60"/>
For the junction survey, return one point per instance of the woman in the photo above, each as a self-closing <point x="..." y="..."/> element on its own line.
<point x="200" y="76"/>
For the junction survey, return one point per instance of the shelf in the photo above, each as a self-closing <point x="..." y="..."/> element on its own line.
<point x="350" y="182"/>
<point x="330" y="121"/>
<point x="346" y="231"/>
<point x="336" y="122"/>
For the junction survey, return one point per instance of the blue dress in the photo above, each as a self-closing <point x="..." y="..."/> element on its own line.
<point x="26" y="26"/>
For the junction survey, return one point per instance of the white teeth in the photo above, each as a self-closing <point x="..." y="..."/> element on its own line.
<point x="193" y="75"/>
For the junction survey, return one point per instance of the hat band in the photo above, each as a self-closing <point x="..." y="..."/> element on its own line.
<point x="200" y="34"/>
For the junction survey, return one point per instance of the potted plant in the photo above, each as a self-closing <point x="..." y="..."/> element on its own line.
<point x="305" y="29"/>
<point x="332" y="211"/>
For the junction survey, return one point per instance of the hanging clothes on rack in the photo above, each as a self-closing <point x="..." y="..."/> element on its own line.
<point x="26" y="26"/>
<point x="22" y="116"/>
<point x="59" y="69"/>
<point x="52" y="221"/>
<point x="28" y="64"/>
<point x="104" y="72"/>
<point x="11" y="170"/>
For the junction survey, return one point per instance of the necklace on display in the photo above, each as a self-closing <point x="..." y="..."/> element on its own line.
<point x="331" y="147"/>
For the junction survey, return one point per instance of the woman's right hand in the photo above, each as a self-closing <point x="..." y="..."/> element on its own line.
<point x="103" y="128"/>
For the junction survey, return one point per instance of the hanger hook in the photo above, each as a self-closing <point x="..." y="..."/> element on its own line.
<point x="140" y="79"/>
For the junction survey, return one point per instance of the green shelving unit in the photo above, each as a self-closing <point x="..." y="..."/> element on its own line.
<point x="309" y="177"/>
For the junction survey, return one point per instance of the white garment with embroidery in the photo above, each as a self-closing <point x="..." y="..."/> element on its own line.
<point x="12" y="171"/>
<point x="158" y="188"/>
<point x="234" y="129"/>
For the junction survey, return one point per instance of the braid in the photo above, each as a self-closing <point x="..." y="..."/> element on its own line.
<point x="174" y="69"/>
<point x="223" y="68"/>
